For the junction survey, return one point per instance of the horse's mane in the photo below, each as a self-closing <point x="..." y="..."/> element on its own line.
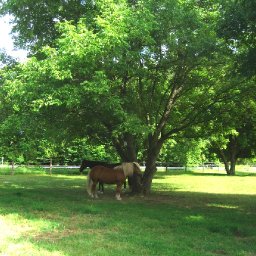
<point x="128" y="168"/>
<point x="138" y="166"/>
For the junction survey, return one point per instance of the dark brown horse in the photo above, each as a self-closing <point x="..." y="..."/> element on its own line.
<point x="107" y="175"/>
<point x="90" y="164"/>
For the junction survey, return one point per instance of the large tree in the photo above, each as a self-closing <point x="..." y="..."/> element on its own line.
<point x="137" y="74"/>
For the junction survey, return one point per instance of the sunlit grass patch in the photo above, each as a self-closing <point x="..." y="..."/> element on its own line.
<point x="27" y="249"/>
<point x="14" y="225"/>
<point x="206" y="183"/>
<point x="16" y="232"/>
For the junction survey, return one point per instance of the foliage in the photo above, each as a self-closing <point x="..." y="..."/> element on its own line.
<point x="184" y="152"/>
<point x="34" y="22"/>
<point x="130" y="75"/>
<point x="234" y="138"/>
<point x="237" y="26"/>
<point x="5" y="59"/>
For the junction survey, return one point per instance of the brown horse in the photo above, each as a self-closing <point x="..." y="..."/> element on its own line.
<point x="91" y="163"/>
<point x="107" y="175"/>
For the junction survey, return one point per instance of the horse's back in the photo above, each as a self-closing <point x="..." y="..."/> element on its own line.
<point x="90" y="163"/>
<point x="106" y="175"/>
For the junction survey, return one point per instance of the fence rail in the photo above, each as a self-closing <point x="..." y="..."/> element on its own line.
<point x="60" y="166"/>
<point x="159" y="167"/>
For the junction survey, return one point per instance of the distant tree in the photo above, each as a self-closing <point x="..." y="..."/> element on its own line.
<point x="184" y="151"/>
<point x="237" y="135"/>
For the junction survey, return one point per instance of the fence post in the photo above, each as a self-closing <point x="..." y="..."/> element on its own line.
<point x="50" y="166"/>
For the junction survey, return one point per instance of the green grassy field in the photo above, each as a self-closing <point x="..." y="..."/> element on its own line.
<point x="186" y="214"/>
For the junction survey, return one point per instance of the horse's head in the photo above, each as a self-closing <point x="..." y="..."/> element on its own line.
<point x="136" y="181"/>
<point x="137" y="174"/>
<point x="139" y="177"/>
<point x="83" y="166"/>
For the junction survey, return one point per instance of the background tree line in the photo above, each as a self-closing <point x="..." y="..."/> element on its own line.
<point x="134" y="79"/>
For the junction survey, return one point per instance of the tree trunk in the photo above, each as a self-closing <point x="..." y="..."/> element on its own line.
<point x="229" y="156"/>
<point x="233" y="155"/>
<point x="226" y="164"/>
<point x="153" y="152"/>
<point x="12" y="169"/>
<point x="127" y="150"/>
<point x="230" y="167"/>
<point x="225" y="160"/>
<point x="148" y="177"/>
<point x="232" y="170"/>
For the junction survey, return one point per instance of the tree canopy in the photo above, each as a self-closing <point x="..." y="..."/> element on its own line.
<point x="238" y="27"/>
<point x="133" y="73"/>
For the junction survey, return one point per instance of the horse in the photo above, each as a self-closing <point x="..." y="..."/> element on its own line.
<point x="115" y="175"/>
<point x="90" y="164"/>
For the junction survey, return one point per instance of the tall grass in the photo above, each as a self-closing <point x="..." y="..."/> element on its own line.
<point x="188" y="213"/>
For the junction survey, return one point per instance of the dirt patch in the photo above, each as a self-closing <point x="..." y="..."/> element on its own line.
<point x="55" y="235"/>
<point x="219" y="252"/>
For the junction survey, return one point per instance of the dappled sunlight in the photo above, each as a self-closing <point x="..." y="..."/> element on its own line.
<point x="195" y="218"/>
<point x="16" y="232"/>
<point x="10" y="228"/>
<point x="32" y="181"/>
<point x="13" y="185"/>
<point x="226" y="206"/>
<point x="26" y="248"/>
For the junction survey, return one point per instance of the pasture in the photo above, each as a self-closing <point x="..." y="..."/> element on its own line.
<point x="188" y="213"/>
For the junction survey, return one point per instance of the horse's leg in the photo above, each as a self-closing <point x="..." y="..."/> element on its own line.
<point x="118" y="191"/>
<point x="101" y="187"/>
<point x="130" y="182"/>
<point x="94" y="193"/>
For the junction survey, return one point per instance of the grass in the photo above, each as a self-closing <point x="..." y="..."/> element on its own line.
<point x="188" y="213"/>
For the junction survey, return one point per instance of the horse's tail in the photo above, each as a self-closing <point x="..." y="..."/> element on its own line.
<point x="89" y="183"/>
